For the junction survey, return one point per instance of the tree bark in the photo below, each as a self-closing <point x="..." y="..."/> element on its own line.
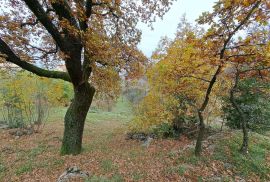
<point x="244" y="147"/>
<point x="198" y="147"/>
<point x="75" y="119"/>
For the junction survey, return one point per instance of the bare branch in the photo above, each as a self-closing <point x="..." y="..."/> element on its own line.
<point x="239" y="55"/>
<point x="29" y="23"/>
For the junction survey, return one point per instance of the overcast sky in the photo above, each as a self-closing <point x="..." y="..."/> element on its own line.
<point x="167" y="26"/>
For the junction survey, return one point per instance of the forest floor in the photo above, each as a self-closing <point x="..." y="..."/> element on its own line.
<point x="108" y="156"/>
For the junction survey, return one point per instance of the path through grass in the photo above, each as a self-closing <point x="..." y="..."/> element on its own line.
<point x="108" y="156"/>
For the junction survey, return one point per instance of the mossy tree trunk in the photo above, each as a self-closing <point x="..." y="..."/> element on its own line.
<point x="75" y="119"/>
<point x="198" y="147"/>
<point x="244" y="147"/>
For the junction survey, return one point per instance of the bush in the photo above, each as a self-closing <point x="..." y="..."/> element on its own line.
<point x="165" y="130"/>
<point x="25" y="99"/>
<point x="253" y="98"/>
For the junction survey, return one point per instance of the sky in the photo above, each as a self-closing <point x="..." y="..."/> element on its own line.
<point x="167" y="26"/>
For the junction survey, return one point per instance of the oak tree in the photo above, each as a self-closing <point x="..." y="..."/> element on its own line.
<point x="88" y="36"/>
<point x="229" y="17"/>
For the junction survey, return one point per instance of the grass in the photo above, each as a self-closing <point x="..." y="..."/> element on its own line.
<point x="36" y="151"/>
<point x="25" y="168"/>
<point x="254" y="163"/>
<point x="176" y="170"/>
<point x="2" y="168"/>
<point x="227" y="151"/>
<point x="2" y="165"/>
<point x="122" y="111"/>
<point x="181" y="170"/>
<point x="137" y="176"/>
<point x="108" y="166"/>
<point x="115" y="178"/>
<point x="190" y="158"/>
<point x="104" y="143"/>
<point x="29" y="161"/>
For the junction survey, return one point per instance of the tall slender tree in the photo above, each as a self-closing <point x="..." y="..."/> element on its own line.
<point x="227" y="20"/>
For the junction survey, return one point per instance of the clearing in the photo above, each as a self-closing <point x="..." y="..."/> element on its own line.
<point x="108" y="156"/>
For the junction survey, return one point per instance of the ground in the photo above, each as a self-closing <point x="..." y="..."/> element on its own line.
<point x="108" y="156"/>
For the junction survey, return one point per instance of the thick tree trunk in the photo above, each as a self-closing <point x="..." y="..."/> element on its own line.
<point x="244" y="148"/>
<point x="198" y="147"/>
<point x="75" y="119"/>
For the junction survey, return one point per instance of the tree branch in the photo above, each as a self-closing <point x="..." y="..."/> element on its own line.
<point x="222" y="52"/>
<point x="41" y="15"/>
<point x="239" y="55"/>
<point x="13" y="58"/>
<point x="29" y="23"/>
<point x="245" y="45"/>
<point x="63" y="10"/>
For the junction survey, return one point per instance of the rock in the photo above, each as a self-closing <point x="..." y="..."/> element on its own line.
<point x="16" y="132"/>
<point x="147" y="142"/>
<point x="3" y="126"/>
<point x="21" y="132"/>
<point x="187" y="166"/>
<point x="29" y="131"/>
<point x="72" y="173"/>
<point x="228" y="166"/>
<point x="136" y="136"/>
<point x="140" y="136"/>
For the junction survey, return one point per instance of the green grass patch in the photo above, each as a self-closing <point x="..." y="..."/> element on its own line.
<point x="181" y="170"/>
<point x="48" y="163"/>
<point x="36" y="151"/>
<point x="2" y="166"/>
<point x="58" y="162"/>
<point x="253" y="163"/>
<point x="190" y="158"/>
<point x="57" y="114"/>
<point x="25" y="168"/>
<point x="122" y="111"/>
<point x="108" y="166"/>
<point x="2" y="169"/>
<point x="137" y="176"/>
<point x="30" y="162"/>
<point x="99" y="144"/>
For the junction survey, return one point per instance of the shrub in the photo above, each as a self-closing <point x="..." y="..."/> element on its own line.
<point x="25" y="99"/>
<point x="165" y="130"/>
<point x="253" y="98"/>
